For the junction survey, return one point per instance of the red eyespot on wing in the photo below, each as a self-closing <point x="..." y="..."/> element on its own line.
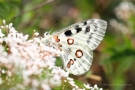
<point x="70" y="41"/>
<point x="71" y="62"/>
<point x="79" y="53"/>
<point x="56" y="38"/>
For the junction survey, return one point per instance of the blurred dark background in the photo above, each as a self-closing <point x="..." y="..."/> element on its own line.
<point x="113" y="66"/>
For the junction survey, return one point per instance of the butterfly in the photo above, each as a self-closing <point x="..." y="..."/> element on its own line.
<point x="77" y="43"/>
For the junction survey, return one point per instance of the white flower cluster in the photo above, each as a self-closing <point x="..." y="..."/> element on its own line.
<point x="28" y="63"/>
<point x="124" y="10"/>
<point x="75" y="87"/>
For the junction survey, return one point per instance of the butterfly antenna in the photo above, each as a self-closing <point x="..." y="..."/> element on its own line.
<point x="53" y="27"/>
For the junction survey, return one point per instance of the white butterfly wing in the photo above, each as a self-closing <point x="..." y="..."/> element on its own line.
<point x="77" y="43"/>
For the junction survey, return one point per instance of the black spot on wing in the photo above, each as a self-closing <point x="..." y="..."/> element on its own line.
<point x="68" y="33"/>
<point x="85" y="23"/>
<point x="87" y="29"/>
<point x="78" y="29"/>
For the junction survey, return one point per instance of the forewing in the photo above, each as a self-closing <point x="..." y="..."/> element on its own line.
<point x="94" y="29"/>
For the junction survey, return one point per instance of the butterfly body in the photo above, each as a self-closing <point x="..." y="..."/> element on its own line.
<point x="77" y="43"/>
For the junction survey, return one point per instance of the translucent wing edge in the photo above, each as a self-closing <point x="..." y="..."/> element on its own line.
<point x="97" y="34"/>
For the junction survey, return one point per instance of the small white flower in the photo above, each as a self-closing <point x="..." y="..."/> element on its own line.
<point x="87" y="86"/>
<point x="2" y="26"/>
<point x="95" y="86"/>
<point x="35" y="83"/>
<point x="36" y="34"/>
<point x="1" y="34"/>
<point x="45" y="86"/>
<point x="4" y="22"/>
<point x="3" y="71"/>
<point x="10" y="25"/>
<point x="101" y="89"/>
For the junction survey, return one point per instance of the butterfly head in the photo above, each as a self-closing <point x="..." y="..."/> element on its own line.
<point x="51" y="40"/>
<point x="48" y="40"/>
